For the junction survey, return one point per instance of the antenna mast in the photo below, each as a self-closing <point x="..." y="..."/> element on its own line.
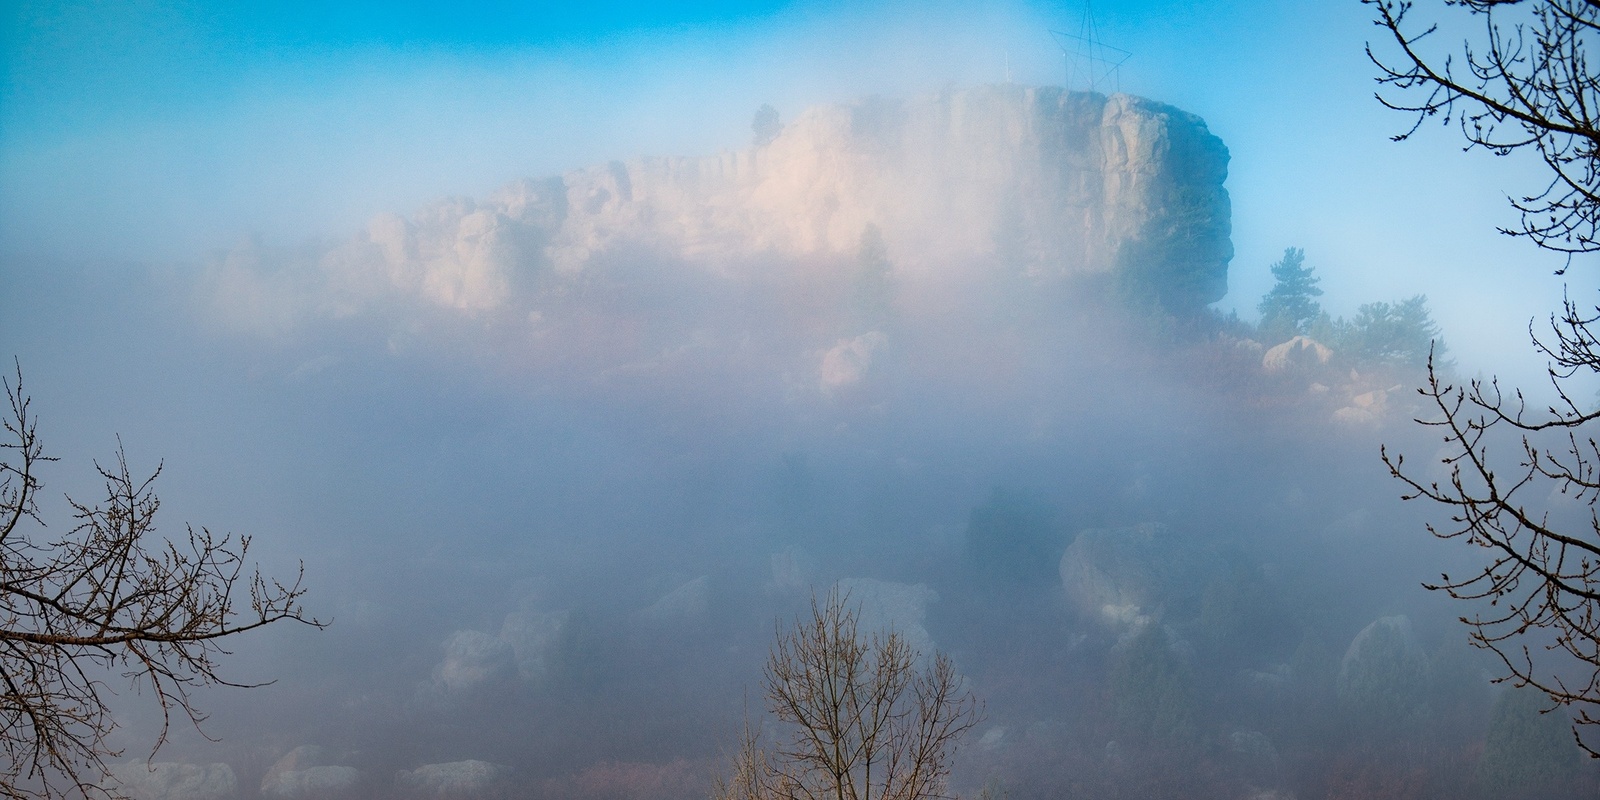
<point x="1091" y="63"/>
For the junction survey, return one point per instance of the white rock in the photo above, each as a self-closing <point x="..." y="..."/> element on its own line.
<point x="455" y="780"/>
<point x="1115" y="574"/>
<point x="1299" y="353"/>
<point x="791" y="570"/>
<point x="687" y="602"/>
<point x="170" y="781"/>
<point x="312" y="782"/>
<point x="847" y="362"/>
<point x="472" y="660"/>
<point x="308" y="773"/>
<point x="886" y="605"/>
<point x="533" y="635"/>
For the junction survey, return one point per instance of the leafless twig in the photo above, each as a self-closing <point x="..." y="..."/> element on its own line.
<point x="106" y="597"/>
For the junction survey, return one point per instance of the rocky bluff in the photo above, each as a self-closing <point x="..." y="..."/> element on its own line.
<point x="1037" y="181"/>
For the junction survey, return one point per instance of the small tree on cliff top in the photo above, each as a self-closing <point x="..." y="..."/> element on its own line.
<point x="766" y="126"/>
<point x="1289" y="308"/>
<point x="1400" y="334"/>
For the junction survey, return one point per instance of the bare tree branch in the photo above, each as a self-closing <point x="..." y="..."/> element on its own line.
<point x="108" y="597"/>
<point x="865" y="722"/>
<point x="1527" y="85"/>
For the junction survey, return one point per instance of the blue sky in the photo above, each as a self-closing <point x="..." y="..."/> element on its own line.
<point x="153" y="131"/>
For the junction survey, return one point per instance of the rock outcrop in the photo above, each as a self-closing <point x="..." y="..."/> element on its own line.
<point x="1063" y="182"/>
<point x="1031" y="181"/>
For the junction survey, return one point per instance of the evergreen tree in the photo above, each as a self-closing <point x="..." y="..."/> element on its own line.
<point x="1151" y="689"/>
<point x="1288" y="310"/>
<point x="766" y="125"/>
<point x="1528" y="753"/>
<point x="872" y="291"/>
<point x="1401" y="334"/>
<point x="1383" y="680"/>
<point x="1012" y="541"/>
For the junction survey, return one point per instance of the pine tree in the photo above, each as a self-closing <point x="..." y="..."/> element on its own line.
<point x="1288" y="310"/>
<point x="766" y="126"/>
<point x="1398" y="334"/>
<point x="1529" y="751"/>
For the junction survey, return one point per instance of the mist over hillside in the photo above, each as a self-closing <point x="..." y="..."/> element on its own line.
<point x="556" y="459"/>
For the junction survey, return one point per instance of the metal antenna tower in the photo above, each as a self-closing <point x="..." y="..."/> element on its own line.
<point x="1090" y="62"/>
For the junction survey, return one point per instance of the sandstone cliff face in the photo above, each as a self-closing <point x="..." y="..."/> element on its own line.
<point x="1034" y="181"/>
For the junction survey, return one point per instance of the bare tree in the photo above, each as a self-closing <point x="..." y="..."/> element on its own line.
<point x="103" y="598"/>
<point x="1527" y="85"/>
<point x="864" y="722"/>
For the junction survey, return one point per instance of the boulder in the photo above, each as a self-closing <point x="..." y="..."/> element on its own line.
<point x="306" y="773"/>
<point x="532" y="635"/>
<point x="1368" y="407"/>
<point x="455" y="780"/>
<point x="312" y="782"/>
<point x="993" y="738"/>
<point x="847" y="362"/>
<point x="474" y="660"/>
<point x="170" y="781"/>
<point x="688" y="601"/>
<point x="791" y="571"/>
<point x="886" y="605"/>
<point x="1300" y="354"/>
<point x="1116" y="575"/>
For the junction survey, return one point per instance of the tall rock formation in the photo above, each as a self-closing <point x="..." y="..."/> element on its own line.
<point x="1031" y="181"/>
